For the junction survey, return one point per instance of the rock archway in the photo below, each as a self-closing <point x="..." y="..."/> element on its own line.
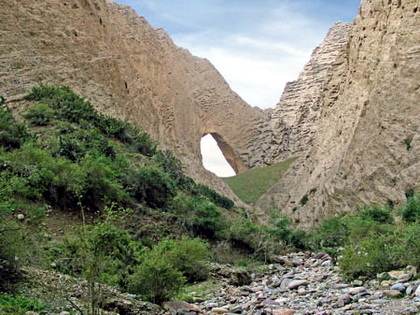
<point x="228" y="152"/>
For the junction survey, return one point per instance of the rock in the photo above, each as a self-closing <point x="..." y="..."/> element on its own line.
<point x="240" y="278"/>
<point x="344" y="299"/>
<point x="395" y="274"/>
<point x="392" y="293"/>
<point x="120" y="306"/>
<point x="219" y="310"/>
<point x="294" y="284"/>
<point x="417" y="292"/>
<point x="283" y="311"/>
<point x="180" y="307"/>
<point x="357" y="290"/>
<point x="31" y="313"/>
<point x="399" y="287"/>
<point x="67" y="313"/>
<point x="20" y="217"/>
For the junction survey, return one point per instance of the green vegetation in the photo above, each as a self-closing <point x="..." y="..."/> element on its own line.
<point x="139" y="212"/>
<point x="371" y="239"/>
<point x="18" y="305"/>
<point x="74" y="159"/>
<point x="250" y="185"/>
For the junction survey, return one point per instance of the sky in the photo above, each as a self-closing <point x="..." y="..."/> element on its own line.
<point x="257" y="45"/>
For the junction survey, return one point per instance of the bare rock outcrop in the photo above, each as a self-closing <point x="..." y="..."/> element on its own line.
<point x="294" y="121"/>
<point x="366" y="147"/>
<point x="127" y="69"/>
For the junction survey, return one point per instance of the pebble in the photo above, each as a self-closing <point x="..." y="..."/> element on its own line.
<point x="399" y="287"/>
<point x="311" y="287"/>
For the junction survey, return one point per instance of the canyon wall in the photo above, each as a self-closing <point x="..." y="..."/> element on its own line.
<point x="352" y="116"/>
<point x="366" y="142"/>
<point x="128" y="69"/>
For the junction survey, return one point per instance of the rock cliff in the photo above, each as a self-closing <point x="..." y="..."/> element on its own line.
<point x="366" y="145"/>
<point x="352" y="116"/>
<point x="126" y="68"/>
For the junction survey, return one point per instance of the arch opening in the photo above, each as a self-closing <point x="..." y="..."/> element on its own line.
<point x="213" y="158"/>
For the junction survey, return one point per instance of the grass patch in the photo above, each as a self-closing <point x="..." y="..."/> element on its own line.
<point x="250" y="185"/>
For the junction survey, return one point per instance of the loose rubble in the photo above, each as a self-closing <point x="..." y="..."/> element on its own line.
<point x="305" y="283"/>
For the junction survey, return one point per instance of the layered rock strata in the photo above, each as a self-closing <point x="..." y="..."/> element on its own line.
<point x="294" y="121"/>
<point x="366" y="148"/>
<point x="127" y="69"/>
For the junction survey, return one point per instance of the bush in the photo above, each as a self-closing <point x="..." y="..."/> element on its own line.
<point x="10" y="248"/>
<point x="214" y="197"/>
<point x="376" y="213"/>
<point x="152" y="186"/>
<point x="199" y="215"/>
<point x="11" y="304"/>
<point x="171" y="165"/>
<point x="101" y="253"/>
<point x="369" y="256"/>
<point x="329" y="236"/>
<point x="156" y="279"/>
<point x="39" y="115"/>
<point x="12" y="134"/>
<point x="411" y="210"/>
<point x="187" y="255"/>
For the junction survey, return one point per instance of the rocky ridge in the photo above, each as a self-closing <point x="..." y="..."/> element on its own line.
<point x="293" y="122"/>
<point x="366" y="145"/>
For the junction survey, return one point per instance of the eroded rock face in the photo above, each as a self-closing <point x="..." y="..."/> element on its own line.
<point x="294" y="120"/>
<point x="366" y="147"/>
<point x="127" y="69"/>
<point x="352" y="116"/>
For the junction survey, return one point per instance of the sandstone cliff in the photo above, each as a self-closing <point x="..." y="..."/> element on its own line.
<point x="126" y="68"/>
<point x="366" y="145"/>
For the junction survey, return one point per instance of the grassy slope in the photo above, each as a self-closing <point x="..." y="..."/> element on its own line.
<point x="250" y="185"/>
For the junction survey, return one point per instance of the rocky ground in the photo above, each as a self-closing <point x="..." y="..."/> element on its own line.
<point x="299" y="283"/>
<point x="310" y="284"/>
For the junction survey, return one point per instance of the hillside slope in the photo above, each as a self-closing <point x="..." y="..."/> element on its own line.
<point x="113" y="57"/>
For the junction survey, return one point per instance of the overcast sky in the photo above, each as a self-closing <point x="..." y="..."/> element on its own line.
<point x="257" y="45"/>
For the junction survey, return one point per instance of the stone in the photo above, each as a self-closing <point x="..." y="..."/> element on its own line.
<point x="395" y="274"/>
<point x="399" y="287"/>
<point x="357" y="290"/>
<point x="20" y="217"/>
<point x="283" y="311"/>
<point x="417" y="292"/>
<point x="219" y="310"/>
<point x="180" y="307"/>
<point x="294" y="284"/>
<point x="392" y="293"/>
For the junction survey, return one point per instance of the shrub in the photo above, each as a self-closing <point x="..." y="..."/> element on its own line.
<point x="12" y="134"/>
<point x="156" y="279"/>
<point x="411" y="210"/>
<point x="101" y="253"/>
<point x="329" y="236"/>
<point x="369" y="256"/>
<point x="39" y="115"/>
<point x="170" y="165"/>
<point x="214" y="197"/>
<point x="12" y="304"/>
<point x="69" y="105"/>
<point x="304" y="200"/>
<point x="152" y="186"/>
<point x="187" y="255"/>
<point x="376" y="213"/>
<point x="10" y="248"/>
<point x="199" y="215"/>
